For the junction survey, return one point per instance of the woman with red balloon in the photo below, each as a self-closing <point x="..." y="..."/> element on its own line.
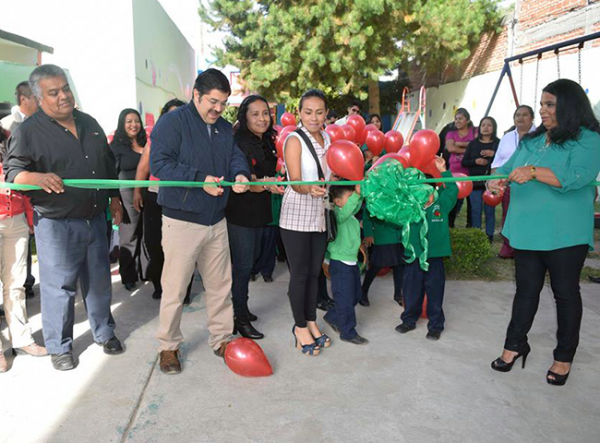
<point x="302" y="219"/>
<point x="248" y="214"/>
<point x="456" y="144"/>
<point x="550" y="221"/>
<point x="478" y="160"/>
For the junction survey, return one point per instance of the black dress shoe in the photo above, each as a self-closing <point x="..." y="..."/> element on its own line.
<point x="334" y="327"/>
<point x="252" y="277"/>
<point x="63" y="362"/>
<point x="433" y="335"/>
<point x="268" y="279"/>
<point x="364" y="302"/>
<point x="399" y="300"/>
<point x="29" y="292"/>
<point x="157" y="294"/>
<point x="112" y="346"/>
<point x="187" y="300"/>
<point x="252" y="317"/>
<point x="323" y="305"/>
<point x="245" y="328"/>
<point x="594" y="279"/>
<point x="357" y="340"/>
<point x="130" y="286"/>
<point x="404" y="328"/>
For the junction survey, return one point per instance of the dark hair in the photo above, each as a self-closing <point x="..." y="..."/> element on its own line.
<point x="371" y="117"/>
<point x="356" y="103"/>
<point x="524" y="107"/>
<point x="212" y="79"/>
<point x="332" y="114"/>
<point x="465" y="114"/>
<point x="573" y="110"/>
<point x="170" y="104"/>
<point x="22" y="90"/>
<point x="338" y="191"/>
<point x="494" y="128"/>
<point x="243" y="120"/>
<point x="317" y="93"/>
<point x="121" y="135"/>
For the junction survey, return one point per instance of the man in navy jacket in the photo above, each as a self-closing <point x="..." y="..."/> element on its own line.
<point x="193" y="143"/>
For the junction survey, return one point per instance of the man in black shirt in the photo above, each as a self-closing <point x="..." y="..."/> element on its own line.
<point x="56" y="143"/>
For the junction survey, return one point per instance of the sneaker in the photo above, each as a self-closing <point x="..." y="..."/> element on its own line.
<point x="433" y="335"/>
<point x="404" y="328"/>
<point x="357" y="340"/>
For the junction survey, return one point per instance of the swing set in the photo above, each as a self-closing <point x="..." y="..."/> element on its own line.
<point x="538" y="54"/>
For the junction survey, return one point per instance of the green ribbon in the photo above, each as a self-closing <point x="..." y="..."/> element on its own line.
<point x="399" y="196"/>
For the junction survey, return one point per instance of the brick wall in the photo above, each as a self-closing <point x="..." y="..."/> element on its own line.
<point x="531" y="16"/>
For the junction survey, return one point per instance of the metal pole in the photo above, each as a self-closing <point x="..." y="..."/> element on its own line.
<point x="512" y="84"/>
<point x="487" y="111"/>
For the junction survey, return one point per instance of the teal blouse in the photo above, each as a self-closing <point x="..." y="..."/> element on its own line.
<point x="542" y="217"/>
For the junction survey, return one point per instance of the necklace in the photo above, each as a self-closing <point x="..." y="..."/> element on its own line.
<point x="540" y="152"/>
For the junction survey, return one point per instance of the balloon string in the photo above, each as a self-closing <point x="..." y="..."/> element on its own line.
<point x="116" y="184"/>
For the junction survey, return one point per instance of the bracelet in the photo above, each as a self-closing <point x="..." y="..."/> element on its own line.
<point x="533" y="174"/>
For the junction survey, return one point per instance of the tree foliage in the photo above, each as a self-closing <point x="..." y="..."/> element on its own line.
<point x="284" y="47"/>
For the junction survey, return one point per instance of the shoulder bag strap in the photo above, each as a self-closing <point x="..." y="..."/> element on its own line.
<point x="311" y="148"/>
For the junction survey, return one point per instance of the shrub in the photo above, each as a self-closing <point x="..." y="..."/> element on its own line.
<point x="470" y="251"/>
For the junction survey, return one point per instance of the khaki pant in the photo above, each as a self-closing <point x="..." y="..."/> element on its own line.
<point x="186" y="246"/>
<point x="14" y="241"/>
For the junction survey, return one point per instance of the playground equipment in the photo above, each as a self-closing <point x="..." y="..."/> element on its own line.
<point x="538" y="53"/>
<point x="407" y="121"/>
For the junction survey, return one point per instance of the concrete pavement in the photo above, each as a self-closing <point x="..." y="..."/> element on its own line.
<point x="399" y="388"/>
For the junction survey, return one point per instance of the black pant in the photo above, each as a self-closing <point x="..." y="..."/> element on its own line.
<point x="152" y="214"/>
<point x="30" y="280"/>
<point x="454" y="213"/>
<point x="244" y="244"/>
<point x="305" y="253"/>
<point x="564" y="266"/>
<point x="372" y="273"/>
<point x="265" y="263"/>
<point x="417" y="283"/>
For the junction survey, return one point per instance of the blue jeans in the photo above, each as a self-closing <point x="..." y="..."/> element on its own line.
<point x="478" y="206"/>
<point x="244" y="244"/>
<point x="72" y="251"/>
<point x="416" y="284"/>
<point x="265" y="263"/>
<point x="345" y="285"/>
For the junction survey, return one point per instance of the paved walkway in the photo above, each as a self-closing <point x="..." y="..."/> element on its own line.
<point x="396" y="389"/>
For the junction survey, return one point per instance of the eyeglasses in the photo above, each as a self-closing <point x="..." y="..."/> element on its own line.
<point x="215" y="102"/>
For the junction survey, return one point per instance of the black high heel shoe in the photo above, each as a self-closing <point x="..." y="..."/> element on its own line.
<point x="246" y="330"/>
<point x="502" y="366"/>
<point x="559" y="379"/>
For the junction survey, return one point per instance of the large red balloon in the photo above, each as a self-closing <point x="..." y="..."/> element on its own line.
<point x="393" y="141"/>
<point x="287" y="129"/>
<point x="346" y="160"/>
<point x="375" y="141"/>
<point x="278" y="128"/>
<point x="280" y="143"/>
<point x="394" y="156"/>
<point x="405" y="152"/>
<point x="349" y="133"/>
<point x="110" y="137"/>
<point x="358" y="123"/>
<point x="246" y="358"/>
<point x="492" y="199"/>
<point x="335" y="132"/>
<point x="424" y="146"/>
<point x="288" y="119"/>
<point x="363" y="135"/>
<point x="464" y="188"/>
<point x="431" y="169"/>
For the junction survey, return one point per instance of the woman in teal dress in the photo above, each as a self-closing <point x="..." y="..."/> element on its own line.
<point x="550" y="220"/>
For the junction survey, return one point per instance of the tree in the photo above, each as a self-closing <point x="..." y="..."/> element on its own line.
<point x="284" y="47"/>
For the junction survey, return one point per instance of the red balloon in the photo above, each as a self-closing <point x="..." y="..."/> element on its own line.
<point x="278" y="128"/>
<point x="349" y="133"/>
<point x="424" y="146"/>
<point x="393" y="141"/>
<point x="375" y="141"/>
<point x="335" y="132"/>
<point x="405" y="152"/>
<point x="280" y="166"/>
<point x="110" y="137"/>
<point x="246" y="358"/>
<point x="280" y="143"/>
<point x="288" y="119"/>
<point x="492" y="199"/>
<point x="368" y="128"/>
<point x="431" y="169"/>
<point x="358" y="123"/>
<point x="346" y="160"/>
<point x="287" y="129"/>
<point x="384" y="271"/>
<point x="394" y="156"/>
<point x="464" y="188"/>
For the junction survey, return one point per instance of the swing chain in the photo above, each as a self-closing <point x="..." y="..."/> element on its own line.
<point x="521" y="82"/>
<point x="557" y="62"/>
<point x="579" y="61"/>
<point x="535" y="91"/>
